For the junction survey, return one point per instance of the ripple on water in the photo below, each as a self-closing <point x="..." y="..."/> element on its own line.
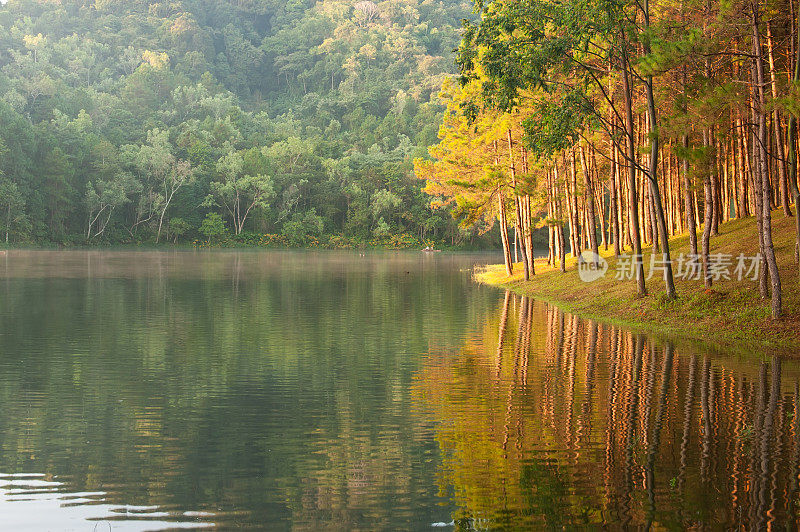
<point x="31" y="501"/>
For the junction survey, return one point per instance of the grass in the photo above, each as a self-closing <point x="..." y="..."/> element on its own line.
<point x="731" y="316"/>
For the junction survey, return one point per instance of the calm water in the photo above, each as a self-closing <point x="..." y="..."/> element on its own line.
<point x="308" y="391"/>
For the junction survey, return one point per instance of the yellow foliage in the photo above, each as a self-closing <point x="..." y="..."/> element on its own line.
<point x="157" y="60"/>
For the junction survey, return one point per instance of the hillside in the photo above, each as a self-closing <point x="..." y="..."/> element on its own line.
<point x="131" y="121"/>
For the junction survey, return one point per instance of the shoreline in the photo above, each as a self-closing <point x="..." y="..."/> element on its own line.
<point x="228" y="246"/>
<point x="729" y="317"/>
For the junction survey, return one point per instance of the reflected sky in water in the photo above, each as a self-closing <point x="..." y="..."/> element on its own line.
<point x="307" y="391"/>
<point x="27" y="502"/>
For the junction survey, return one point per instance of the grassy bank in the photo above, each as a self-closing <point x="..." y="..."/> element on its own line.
<point x="731" y="315"/>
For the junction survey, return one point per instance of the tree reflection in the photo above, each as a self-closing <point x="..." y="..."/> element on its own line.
<point x="352" y="394"/>
<point x="553" y="421"/>
<point x="268" y="389"/>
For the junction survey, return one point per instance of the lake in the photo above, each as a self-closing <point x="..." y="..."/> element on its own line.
<point x="383" y="391"/>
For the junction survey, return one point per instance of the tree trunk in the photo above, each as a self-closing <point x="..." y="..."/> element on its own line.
<point x="776" y="119"/>
<point x="561" y="245"/>
<point x="793" y="153"/>
<point x="741" y="140"/>
<point x="519" y="228"/>
<point x="160" y="224"/>
<point x="526" y="215"/>
<point x="759" y="104"/>
<point x="653" y="225"/>
<point x="504" y="234"/>
<point x="575" y="230"/>
<point x="633" y="201"/>
<point x="715" y="193"/>
<point x="708" y="220"/>
<point x="591" y="227"/>
<point x="503" y="220"/>
<point x="688" y="199"/>
<point x="529" y="237"/>
<point x="733" y="155"/>
<point x="612" y="185"/>
<point x="560" y="214"/>
<point x="669" y="281"/>
<point x="753" y="165"/>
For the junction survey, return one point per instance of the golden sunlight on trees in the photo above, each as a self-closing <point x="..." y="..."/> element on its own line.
<point x="641" y="120"/>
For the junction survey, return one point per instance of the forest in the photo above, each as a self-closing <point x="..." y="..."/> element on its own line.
<point x="249" y="121"/>
<point x="617" y="123"/>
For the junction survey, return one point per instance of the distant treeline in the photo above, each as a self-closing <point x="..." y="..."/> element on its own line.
<point x="135" y="121"/>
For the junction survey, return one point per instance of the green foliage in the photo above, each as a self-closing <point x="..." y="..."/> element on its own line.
<point x="551" y="53"/>
<point x="303" y="227"/>
<point x="178" y="227"/>
<point x="239" y="193"/>
<point x="213" y="226"/>
<point x="12" y="202"/>
<point x="555" y="125"/>
<point x="123" y="116"/>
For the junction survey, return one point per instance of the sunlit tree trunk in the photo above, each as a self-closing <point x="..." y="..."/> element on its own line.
<point x="708" y="207"/>
<point x="560" y="215"/>
<point x="654" y="188"/>
<point x="518" y="199"/>
<point x="526" y="215"/>
<point x="591" y="226"/>
<point x="688" y="200"/>
<point x="574" y="226"/>
<point x="504" y="233"/>
<point x="612" y="186"/>
<point x="793" y="147"/>
<point x="776" y="120"/>
<point x="633" y="200"/>
<point x="501" y="203"/>
<point x="760" y="111"/>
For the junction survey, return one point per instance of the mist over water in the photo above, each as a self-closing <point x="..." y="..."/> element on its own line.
<point x="153" y="390"/>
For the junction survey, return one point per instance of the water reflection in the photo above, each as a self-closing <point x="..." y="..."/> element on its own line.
<point x="549" y="420"/>
<point x="30" y="501"/>
<point x="265" y="390"/>
<point x="317" y="391"/>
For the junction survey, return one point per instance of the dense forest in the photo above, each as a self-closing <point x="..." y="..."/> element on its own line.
<point x="254" y="121"/>
<point x="618" y="123"/>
